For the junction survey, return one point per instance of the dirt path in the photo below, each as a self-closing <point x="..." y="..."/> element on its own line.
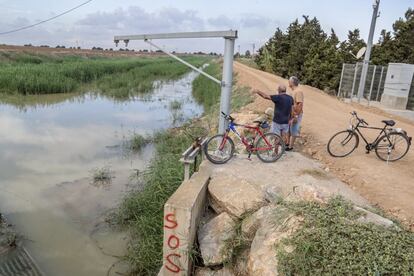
<point x="391" y="186"/>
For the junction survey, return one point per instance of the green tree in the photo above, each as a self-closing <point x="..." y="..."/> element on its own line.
<point x="350" y="47"/>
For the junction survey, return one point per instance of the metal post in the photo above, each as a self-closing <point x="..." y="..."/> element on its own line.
<point x="379" y="85"/>
<point x="353" y="83"/>
<point x="372" y="84"/>
<point x="340" y="82"/>
<point x="368" y="52"/>
<point x="227" y="82"/>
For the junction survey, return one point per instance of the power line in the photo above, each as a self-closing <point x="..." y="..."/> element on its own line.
<point x="46" y="20"/>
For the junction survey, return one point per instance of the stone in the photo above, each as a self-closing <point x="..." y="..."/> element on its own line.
<point x="308" y="192"/>
<point x="212" y="237"/>
<point x="370" y="217"/>
<point x="262" y="257"/>
<point x="205" y="271"/>
<point x="234" y="195"/>
<point x="273" y="193"/>
<point x="251" y="223"/>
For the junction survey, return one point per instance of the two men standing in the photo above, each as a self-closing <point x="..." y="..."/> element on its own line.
<point x="288" y="111"/>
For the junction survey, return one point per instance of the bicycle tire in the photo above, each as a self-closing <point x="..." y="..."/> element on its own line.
<point x="270" y="136"/>
<point x="210" y="157"/>
<point x="388" y="138"/>
<point x="350" y="134"/>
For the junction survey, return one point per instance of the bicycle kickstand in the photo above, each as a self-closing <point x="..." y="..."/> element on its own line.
<point x="248" y="157"/>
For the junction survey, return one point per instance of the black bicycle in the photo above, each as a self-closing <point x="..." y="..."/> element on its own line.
<point x="391" y="144"/>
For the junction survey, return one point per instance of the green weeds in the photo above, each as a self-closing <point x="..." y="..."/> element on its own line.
<point x="332" y="242"/>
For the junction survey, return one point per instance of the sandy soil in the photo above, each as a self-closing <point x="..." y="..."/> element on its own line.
<point x="389" y="186"/>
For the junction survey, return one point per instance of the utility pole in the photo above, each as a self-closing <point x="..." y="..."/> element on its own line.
<point x="238" y="46"/>
<point x="368" y="52"/>
<point x="254" y="46"/>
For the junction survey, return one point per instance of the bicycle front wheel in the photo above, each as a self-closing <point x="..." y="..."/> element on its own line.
<point x="392" y="147"/>
<point x="270" y="147"/>
<point x="219" y="149"/>
<point x="343" y="143"/>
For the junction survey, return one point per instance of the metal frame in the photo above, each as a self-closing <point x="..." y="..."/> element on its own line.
<point x="340" y="82"/>
<point x="190" y="157"/>
<point x="227" y="76"/>
<point x="372" y="84"/>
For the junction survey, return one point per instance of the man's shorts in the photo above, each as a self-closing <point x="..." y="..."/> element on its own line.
<point x="279" y="128"/>
<point x="295" y="128"/>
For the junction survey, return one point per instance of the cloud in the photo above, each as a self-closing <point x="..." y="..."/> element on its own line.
<point x="223" y="21"/>
<point x="254" y="21"/>
<point x="98" y="28"/>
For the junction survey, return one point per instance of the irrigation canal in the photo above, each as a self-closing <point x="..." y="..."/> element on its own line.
<point x="50" y="145"/>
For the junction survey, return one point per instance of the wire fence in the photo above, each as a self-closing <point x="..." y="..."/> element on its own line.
<point x="351" y="76"/>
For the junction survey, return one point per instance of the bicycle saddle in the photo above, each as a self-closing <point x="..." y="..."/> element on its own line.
<point x="389" y="122"/>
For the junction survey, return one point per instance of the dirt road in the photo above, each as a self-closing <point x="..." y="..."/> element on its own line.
<point x="390" y="186"/>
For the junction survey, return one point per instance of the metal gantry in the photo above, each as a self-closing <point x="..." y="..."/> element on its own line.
<point x="227" y="76"/>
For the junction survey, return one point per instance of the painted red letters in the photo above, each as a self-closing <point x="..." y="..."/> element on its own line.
<point x="173" y="242"/>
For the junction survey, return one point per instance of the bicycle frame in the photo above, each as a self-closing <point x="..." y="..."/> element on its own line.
<point x="232" y="127"/>
<point x="370" y="146"/>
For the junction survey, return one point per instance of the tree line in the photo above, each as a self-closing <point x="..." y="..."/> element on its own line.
<point x="307" y="51"/>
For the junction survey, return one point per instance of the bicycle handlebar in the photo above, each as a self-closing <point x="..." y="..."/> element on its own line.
<point x="362" y="121"/>
<point x="227" y="117"/>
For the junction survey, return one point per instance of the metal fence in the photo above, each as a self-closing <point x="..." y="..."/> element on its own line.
<point x="350" y="78"/>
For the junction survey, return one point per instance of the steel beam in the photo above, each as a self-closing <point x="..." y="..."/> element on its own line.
<point x="213" y="34"/>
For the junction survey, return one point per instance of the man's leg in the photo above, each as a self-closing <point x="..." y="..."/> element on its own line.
<point x="275" y="128"/>
<point x="295" y="131"/>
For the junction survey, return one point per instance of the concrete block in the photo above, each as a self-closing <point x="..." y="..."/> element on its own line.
<point x="394" y="102"/>
<point x="182" y="213"/>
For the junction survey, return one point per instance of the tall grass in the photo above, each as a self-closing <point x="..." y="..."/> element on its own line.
<point x="27" y="74"/>
<point x="206" y="92"/>
<point x="142" y="211"/>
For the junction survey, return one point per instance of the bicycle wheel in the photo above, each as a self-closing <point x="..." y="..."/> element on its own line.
<point x="219" y="149"/>
<point x="343" y="143"/>
<point x="392" y="147"/>
<point x="270" y="147"/>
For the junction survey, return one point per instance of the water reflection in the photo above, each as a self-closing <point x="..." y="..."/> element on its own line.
<point x="48" y="147"/>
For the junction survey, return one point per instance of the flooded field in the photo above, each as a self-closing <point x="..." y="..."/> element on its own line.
<point x="50" y="146"/>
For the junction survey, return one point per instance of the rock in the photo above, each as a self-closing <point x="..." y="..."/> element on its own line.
<point x="205" y="271"/>
<point x="234" y="195"/>
<point x="308" y="192"/>
<point x="212" y="237"/>
<point x="262" y="257"/>
<point x="370" y="217"/>
<point x="273" y="193"/>
<point x="253" y="222"/>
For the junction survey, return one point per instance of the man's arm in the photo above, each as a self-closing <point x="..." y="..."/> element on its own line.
<point x="298" y="102"/>
<point x="298" y="107"/>
<point x="262" y="94"/>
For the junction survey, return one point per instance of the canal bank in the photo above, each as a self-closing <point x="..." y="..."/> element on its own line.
<point x="51" y="152"/>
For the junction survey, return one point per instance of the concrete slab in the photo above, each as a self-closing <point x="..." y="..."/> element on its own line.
<point x="182" y="213"/>
<point x="290" y="174"/>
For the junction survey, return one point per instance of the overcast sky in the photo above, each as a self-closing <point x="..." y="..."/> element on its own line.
<point x="256" y="20"/>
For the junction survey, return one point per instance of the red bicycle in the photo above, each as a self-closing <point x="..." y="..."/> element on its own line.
<point x="269" y="147"/>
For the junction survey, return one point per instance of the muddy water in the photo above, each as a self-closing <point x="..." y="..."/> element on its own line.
<point x="49" y="147"/>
